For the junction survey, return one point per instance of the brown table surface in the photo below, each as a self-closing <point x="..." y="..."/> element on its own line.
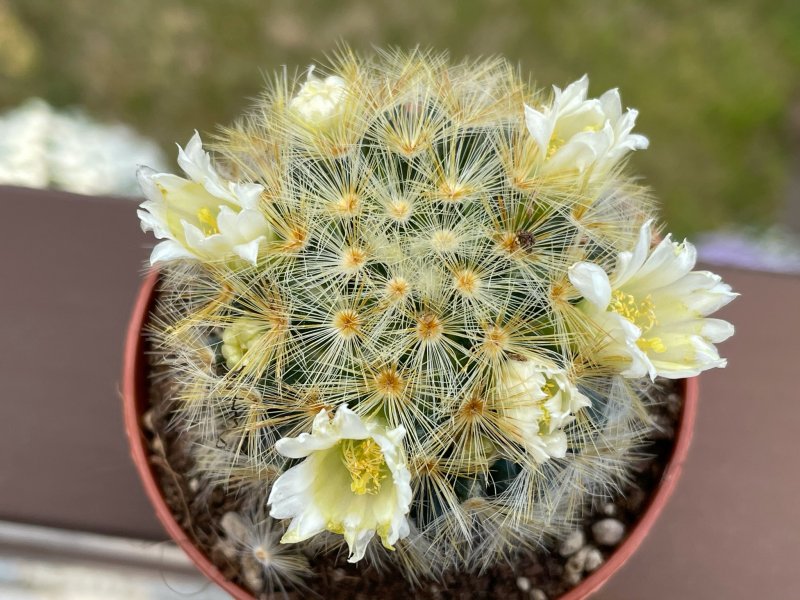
<point x="70" y="270"/>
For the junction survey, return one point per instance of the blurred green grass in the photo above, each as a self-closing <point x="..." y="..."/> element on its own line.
<point x="715" y="81"/>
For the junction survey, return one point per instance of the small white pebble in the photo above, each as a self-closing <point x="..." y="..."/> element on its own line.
<point x="147" y="420"/>
<point x="608" y="532"/>
<point x="227" y="548"/>
<point x="594" y="558"/>
<point x="573" y="577"/>
<point x="252" y="574"/>
<point x="577" y="561"/>
<point x="194" y="484"/>
<point x="157" y="446"/>
<point x="538" y="595"/>
<point x="572" y="543"/>
<point x="233" y="526"/>
<point x="524" y="584"/>
<point x="609" y="509"/>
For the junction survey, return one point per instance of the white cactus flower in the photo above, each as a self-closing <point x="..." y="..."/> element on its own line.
<point x="578" y="134"/>
<point x="203" y="217"/>
<point x="540" y="400"/>
<point x="354" y="481"/>
<point x="319" y="99"/>
<point x="652" y="309"/>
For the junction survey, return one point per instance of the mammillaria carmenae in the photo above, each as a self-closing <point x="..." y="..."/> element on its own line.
<point x="420" y="300"/>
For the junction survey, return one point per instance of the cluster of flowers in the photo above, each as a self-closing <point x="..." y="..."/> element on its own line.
<point x="460" y="277"/>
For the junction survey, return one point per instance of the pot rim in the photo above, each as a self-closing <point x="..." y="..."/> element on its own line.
<point x="134" y="380"/>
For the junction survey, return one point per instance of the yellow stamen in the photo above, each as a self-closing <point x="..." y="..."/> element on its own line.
<point x="550" y="388"/>
<point x="208" y="220"/>
<point x="641" y="314"/>
<point x="364" y="460"/>
<point x="544" y="421"/>
<point x="335" y="527"/>
<point x="655" y="344"/>
<point x="554" y="146"/>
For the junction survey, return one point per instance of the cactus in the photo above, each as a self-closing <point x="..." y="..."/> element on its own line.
<point x="420" y="302"/>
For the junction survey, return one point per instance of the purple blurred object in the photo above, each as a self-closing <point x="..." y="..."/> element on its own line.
<point x="774" y="251"/>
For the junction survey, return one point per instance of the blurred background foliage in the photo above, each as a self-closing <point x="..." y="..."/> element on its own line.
<point x="717" y="82"/>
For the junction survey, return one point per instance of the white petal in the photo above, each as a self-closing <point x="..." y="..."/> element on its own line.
<point x="686" y="356"/>
<point x="574" y="94"/>
<point x="287" y="496"/>
<point x="397" y="529"/>
<point x="249" y="251"/>
<point x="578" y="153"/>
<point x="152" y="218"/>
<point x="612" y="104"/>
<point x="592" y="282"/>
<point x="626" y="335"/>
<point x="228" y="222"/>
<point x="305" y="525"/>
<point x="540" y="127"/>
<point x="250" y="224"/>
<point x="629" y="263"/>
<point x="716" y="330"/>
<point x="638" y="142"/>
<point x="700" y="292"/>
<point x="357" y="541"/>
<point x="195" y="238"/>
<point x="667" y="263"/>
<point x="350" y="425"/>
<point x="577" y="401"/>
<point x="194" y="161"/>
<point x="303" y="445"/>
<point x="640" y="364"/>
<point x="556" y="444"/>
<point x="168" y="250"/>
<point x="248" y="194"/>
<point x="144" y="175"/>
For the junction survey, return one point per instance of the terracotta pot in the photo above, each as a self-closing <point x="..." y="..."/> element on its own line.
<point x="136" y="402"/>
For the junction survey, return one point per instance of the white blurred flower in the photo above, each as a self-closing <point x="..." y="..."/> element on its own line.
<point x="42" y="148"/>
<point x="318" y="100"/>
<point x="204" y="217"/>
<point x="540" y="400"/>
<point x="354" y="481"/>
<point x="24" y="134"/>
<point x="579" y="134"/>
<point x="652" y="309"/>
